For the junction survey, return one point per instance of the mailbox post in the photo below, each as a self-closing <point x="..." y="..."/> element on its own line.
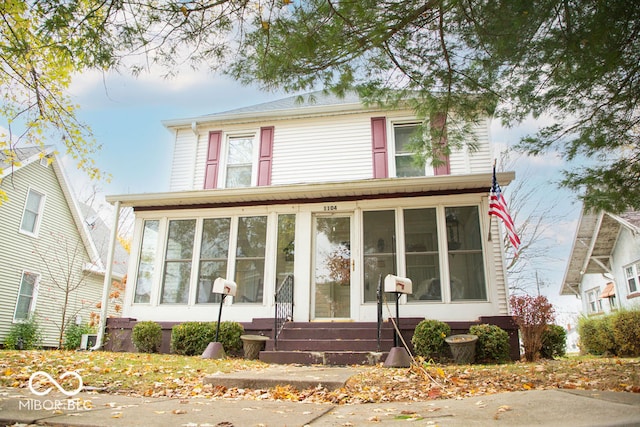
<point x="223" y="287"/>
<point x="398" y="356"/>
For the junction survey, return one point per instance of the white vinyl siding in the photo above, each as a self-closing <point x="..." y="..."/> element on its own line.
<point x="56" y="225"/>
<point x="311" y="150"/>
<point x="322" y="150"/>
<point x="187" y="164"/>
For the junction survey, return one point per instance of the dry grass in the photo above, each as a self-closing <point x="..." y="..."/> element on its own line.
<point x="181" y="377"/>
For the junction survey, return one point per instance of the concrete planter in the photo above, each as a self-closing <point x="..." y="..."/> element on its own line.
<point x="463" y="347"/>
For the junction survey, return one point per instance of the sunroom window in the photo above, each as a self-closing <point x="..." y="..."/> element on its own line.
<point x="466" y="265"/>
<point x="250" y="258"/>
<point x="178" y="260"/>
<point x="214" y="251"/>
<point x="144" y="281"/>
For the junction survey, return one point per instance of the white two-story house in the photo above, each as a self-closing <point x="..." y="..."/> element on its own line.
<point x="326" y="195"/>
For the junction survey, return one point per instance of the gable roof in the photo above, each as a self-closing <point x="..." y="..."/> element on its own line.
<point x="593" y="244"/>
<point x="28" y="155"/>
<point x="24" y="156"/>
<point x="309" y="104"/>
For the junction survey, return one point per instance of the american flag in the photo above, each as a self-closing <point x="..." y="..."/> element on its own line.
<point x="498" y="207"/>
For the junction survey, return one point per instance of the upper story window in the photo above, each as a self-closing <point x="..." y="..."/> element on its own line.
<point x="240" y="164"/>
<point x="632" y="276"/>
<point x="32" y="214"/>
<point x="404" y="156"/>
<point x="242" y="161"/>
<point x="26" y="296"/>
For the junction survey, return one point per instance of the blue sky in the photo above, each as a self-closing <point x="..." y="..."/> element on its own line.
<point x="125" y="114"/>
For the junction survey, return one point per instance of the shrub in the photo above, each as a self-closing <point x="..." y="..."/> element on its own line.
<point x="596" y="335"/>
<point x="428" y="339"/>
<point x="147" y="337"/>
<point x="532" y="315"/>
<point x="73" y="335"/>
<point x="192" y="338"/>
<point x="626" y="332"/>
<point x="24" y="335"/>
<point x="554" y="342"/>
<point x="492" y="345"/>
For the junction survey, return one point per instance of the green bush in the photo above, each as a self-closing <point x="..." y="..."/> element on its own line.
<point x="596" y="335"/>
<point x="24" y="335"/>
<point x="492" y="345"/>
<point x="73" y="335"/>
<point x="428" y="339"/>
<point x="626" y="332"/>
<point x="554" y="342"/>
<point x="147" y="337"/>
<point x="192" y="338"/>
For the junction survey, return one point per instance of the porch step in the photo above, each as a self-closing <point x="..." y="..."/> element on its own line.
<point x="335" y="344"/>
<point x="323" y="357"/>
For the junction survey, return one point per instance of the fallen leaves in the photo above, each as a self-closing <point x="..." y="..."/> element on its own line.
<point x="181" y="377"/>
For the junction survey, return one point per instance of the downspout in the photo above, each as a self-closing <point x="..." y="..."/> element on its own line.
<point x="107" y="279"/>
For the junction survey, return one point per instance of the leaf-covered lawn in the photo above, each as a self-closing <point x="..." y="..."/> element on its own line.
<point x="181" y="377"/>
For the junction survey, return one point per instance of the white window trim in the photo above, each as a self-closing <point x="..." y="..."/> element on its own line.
<point x="635" y="266"/>
<point x="36" y="228"/>
<point x="391" y="144"/>
<point x="595" y="292"/>
<point x="222" y="178"/>
<point x="34" y="296"/>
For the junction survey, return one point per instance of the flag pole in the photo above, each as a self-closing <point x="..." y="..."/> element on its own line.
<point x="491" y="216"/>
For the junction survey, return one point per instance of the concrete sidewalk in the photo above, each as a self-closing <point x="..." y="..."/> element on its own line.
<point x="528" y="408"/>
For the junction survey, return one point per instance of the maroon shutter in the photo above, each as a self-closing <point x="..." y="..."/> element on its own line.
<point x="266" y="155"/>
<point x="213" y="160"/>
<point x="439" y="122"/>
<point x="379" y="147"/>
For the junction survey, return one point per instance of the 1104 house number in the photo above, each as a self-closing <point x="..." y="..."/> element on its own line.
<point x="329" y="208"/>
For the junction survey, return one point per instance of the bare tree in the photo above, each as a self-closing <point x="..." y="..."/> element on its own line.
<point x="68" y="269"/>
<point x="536" y="212"/>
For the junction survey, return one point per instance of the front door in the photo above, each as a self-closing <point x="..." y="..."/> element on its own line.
<point x="332" y="266"/>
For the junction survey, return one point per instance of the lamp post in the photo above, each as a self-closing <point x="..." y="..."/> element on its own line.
<point x="398" y="356"/>
<point x="225" y="288"/>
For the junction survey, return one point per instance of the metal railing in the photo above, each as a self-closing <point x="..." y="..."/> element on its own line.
<point x="284" y="307"/>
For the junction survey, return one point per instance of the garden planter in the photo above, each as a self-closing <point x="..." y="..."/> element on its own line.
<point x="463" y="347"/>
<point x="252" y="345"/>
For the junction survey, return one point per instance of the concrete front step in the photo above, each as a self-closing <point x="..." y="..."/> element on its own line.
<point x="335" y="358"/>
<point x="336" y="333"/>
<point x="365" y="345"/>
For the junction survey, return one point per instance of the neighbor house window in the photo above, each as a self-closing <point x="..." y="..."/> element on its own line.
<point x="421" y="251"/>
<point x="632" y="276"/>
<point x="250" y="258"/>
<point x="144" y="281"/>
<point x="26" y="296"/>
<point x="240" y="156"/>
<point x="32" y="214"/>
<point x="178" y="260"/>
<point x="404" y="156"/>
<point x="464" y="243"/>
<point x="214" y="251"/>
<point x="594" y="303"/>
<point x="379" y="239"/>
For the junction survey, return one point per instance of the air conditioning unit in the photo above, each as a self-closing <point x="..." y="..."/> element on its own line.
<point x="88" y="341"/>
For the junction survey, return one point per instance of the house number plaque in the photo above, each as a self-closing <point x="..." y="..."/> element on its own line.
<point x="329" y="208"/>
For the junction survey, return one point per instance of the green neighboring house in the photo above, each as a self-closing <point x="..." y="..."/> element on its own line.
<point x="50" y="263"/>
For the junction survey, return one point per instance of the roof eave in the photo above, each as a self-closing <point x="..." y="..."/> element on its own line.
<point x="312" y="191"/>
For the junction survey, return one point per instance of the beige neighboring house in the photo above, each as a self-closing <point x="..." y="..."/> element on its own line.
<point x="46" y="247"/>
<point x="604" y="267"/>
